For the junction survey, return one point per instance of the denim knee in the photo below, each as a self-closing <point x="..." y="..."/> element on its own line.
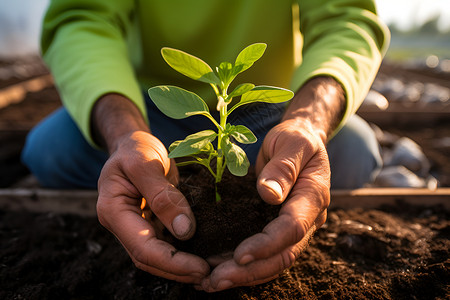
<point x="354" y="154"/>
<point x="58" y="155"/>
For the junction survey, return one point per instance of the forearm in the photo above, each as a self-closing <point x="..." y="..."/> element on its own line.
<point x="320" y="103"/>
<point x="343" y="39"/>
<point x="113" y="117"/>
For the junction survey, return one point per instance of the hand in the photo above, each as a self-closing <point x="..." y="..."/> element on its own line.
<point x="139" y="167"/>
<point x="294" y="170"/>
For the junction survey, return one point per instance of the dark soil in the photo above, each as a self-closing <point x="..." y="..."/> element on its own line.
<point x="222" y="226"/>
<point x="395" y="252"/>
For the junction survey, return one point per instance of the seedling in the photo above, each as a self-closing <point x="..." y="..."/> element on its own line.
<point x="178" y="103"/>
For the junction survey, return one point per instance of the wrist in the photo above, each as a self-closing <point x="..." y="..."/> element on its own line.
<point x="319" y="104"/>
<point x="113" y="118"/>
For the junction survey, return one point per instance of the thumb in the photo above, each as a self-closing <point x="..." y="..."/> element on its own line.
<point x="152" y="177"/>
<point x="167" y="203"/>
<point x="277" y="176"/>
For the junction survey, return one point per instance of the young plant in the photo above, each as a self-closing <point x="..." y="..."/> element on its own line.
<point x="178" y="103"/>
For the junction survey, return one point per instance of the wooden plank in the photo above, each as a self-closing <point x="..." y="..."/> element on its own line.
<point x="79" y="202"/>
<point x="375" y="197"/>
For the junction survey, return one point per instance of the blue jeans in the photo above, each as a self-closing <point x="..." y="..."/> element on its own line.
<point x="58" y="155"/>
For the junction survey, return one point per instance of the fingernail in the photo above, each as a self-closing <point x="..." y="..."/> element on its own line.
<point x="224" y="284"/>
<point x="246" y="259"/>
<point x="181" y="225"/>
<point x="274" y="186"/>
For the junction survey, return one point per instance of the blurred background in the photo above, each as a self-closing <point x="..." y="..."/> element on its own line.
<point x="419" y="27"/>
<point x="408" y="105"/>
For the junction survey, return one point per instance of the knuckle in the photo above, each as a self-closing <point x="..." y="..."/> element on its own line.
<point x="326" y="201"/>
<point x="301" y="226"/>
<point x="160" y="202"/>
<point x="288" y="258"/>
<point x="251" y="277"/>
<point x="138" y="264"/>
<point x="321" y="219"/>
<point x="102" y="213"/>
<point x="319" y="194"/>
<point x="289" y="169"/>
<point x="324" y="196"/>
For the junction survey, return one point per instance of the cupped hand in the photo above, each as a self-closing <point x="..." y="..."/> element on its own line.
<point x="293" y="171"/>
<point x="139" y="167"/>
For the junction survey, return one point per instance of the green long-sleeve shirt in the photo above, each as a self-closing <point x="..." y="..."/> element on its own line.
<point x="95" y="47"/>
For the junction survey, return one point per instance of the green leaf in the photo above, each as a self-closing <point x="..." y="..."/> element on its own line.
<point x="268" y="94"/>
<point x="176" y="102"/>
<point x="225" y="70"/>
<point x="207" y="149"/>
<point x="241" y="89"/>
<point x="242" y="134"/>
<point x="189" y="65"/>
<point x="192" y="144"/>
<point x="174" y="145"/>
<point x="236" y="159"/>
<point x="248" y="57"/>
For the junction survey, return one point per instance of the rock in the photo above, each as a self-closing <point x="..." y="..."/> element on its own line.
<point x="398" y="176"/>
<point x="444" y="66"/>
<point x="384" y="138"/>
<point x="409" y="154"/>
<point x="442" y="143"/>
<point x="394" y="89"/>
<point x="375" y="100"/>
<point x="435" y="94"/>
<point x="414" y="91"/>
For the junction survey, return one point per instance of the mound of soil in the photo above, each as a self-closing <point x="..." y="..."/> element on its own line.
<point x="395" y="252"/>
<point x="222" y="226"/>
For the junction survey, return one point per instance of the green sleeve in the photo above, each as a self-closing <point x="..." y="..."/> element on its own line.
<point x="84" y="44"/>
<point x="344" y="39"/>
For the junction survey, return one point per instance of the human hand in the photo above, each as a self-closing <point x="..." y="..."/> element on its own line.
<point x="139" y="167"/>
<point x="294" y="171"/>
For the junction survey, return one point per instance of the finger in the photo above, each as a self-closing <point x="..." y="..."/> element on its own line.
<point x="165" y="200"/>
<point x="285" y="152"/>
<point x="226" y="284"/>
<point x="173" y="175"/>
<point x="276" y="179"/>
<point x="147" y="252"/>
<point x="304" y="208"/>
<point x="216" y="260"/>
<point x="230" y="274"/>
<point x="192" y="278"/>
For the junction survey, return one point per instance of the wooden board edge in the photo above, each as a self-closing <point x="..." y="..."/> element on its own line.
<point x="375" y="197"/>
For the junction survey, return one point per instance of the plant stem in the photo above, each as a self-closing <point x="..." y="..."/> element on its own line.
<point x="221" y="162"/>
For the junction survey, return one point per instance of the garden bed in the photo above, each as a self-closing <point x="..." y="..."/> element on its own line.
<point x="54" y="248"/>
<point x="395" y="251"/>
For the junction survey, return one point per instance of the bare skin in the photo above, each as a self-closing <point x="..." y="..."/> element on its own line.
<point x="139" y="167"/>
<point x="293" y="169"/>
